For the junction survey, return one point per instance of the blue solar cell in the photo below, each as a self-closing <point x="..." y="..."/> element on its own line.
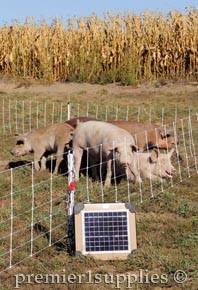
<point x="106" y="231"/>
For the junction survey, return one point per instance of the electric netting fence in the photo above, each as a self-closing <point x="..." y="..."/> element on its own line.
<point x="18" y="116"/>
<point x="34" y="205"/>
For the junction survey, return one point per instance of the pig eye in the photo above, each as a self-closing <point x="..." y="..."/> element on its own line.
<point x="20" y="142"/>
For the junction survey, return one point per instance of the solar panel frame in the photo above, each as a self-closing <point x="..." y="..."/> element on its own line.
<point x="105" y="231"/>
<point x="103" y="235"/>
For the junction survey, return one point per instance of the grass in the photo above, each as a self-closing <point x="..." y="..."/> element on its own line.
<point x="167" y="223"/>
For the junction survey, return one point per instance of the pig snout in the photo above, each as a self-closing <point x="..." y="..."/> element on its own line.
<point x="167" y="142"/>
<point x="16" y="152"/>
<point x="173" y="141"/>
<point x="171" y="172"/>
<point x="19" y="151"/>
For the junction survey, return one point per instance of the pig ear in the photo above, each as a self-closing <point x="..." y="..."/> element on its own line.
<point x="116" y="150"/>
<point x="71" y="134"/>
<point x="154" y="156"/>
<point x="164" y="132"/>
<point x="23" y="136"/>
<point x="134" y="148"/>
<point x="19" y="136"/>
<point x="170" y="153"/>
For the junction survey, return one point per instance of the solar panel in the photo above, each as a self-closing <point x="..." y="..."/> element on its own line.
<point x="106" y="230"/>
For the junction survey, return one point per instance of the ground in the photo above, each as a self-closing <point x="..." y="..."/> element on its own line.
<point x="143" y="92"/>
<point x="167" y="224"/>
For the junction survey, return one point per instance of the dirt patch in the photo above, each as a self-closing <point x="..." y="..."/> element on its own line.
<point x="145" y="92"/>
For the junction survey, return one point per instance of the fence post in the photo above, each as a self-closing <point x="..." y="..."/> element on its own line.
<point x="3" y="115"/>
<point x="71" y="188"/>
<point x="11" y="217"/>
<point x="68" y="111"/>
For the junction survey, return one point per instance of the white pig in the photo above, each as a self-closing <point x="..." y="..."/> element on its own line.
<point x="155" y="165"/>
<point x="106" y="141"/>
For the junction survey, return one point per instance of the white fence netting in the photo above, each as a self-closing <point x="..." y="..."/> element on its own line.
<point x="18" y="116"/>
<point x="184" y="160"/>
<point x="34" y="205"/>
<point x="33" y="213"/>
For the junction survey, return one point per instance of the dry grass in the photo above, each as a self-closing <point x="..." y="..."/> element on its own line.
<point x="166" y="224"/>
<point x="125" y="48"/>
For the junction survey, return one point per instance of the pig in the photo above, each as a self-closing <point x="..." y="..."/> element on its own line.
<point x="152" y="165"/>
<point x="101" y="139"/>
<point x="155" y="165"/>
<point x="147" y="135"/>
<point x="51" y="139"/>
<point x="76" y="121"/>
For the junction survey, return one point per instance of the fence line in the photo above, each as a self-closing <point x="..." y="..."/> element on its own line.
<point x="33" y="214"/>
<point x="23" y="115"/>
<point x="184" y="131"/>
<point x="29" y="203"/>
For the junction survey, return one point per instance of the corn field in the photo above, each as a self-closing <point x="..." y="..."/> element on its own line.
<point x="117" y="48"/>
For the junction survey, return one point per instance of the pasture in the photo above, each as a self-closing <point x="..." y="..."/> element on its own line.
<point x="34" y="205"/>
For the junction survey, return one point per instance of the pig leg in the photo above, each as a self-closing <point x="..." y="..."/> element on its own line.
<point x="93" y="165"/>
<point x="59" y="158"/>
<point x="43" y="163"/>
<point x="137" y="176"/>
<point x="37" y="157"/>
<point x="36" y="165"/>
<point x="58" y="161"/>
<point x="134" y="169"/>
<point x="78" y="152"/>
<point x="109" y="173"/>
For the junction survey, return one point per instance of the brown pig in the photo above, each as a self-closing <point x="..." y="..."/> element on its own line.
<point x="147" y="135"/>
<point x="51" y="139"/>
<point x="76" y="121"/>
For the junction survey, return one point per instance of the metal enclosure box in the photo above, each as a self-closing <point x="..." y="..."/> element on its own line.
<point x="105" y="231"/>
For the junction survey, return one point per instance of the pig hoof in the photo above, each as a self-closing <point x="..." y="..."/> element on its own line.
<point x="139" y="180"/>
<point x="107" y="185"/>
